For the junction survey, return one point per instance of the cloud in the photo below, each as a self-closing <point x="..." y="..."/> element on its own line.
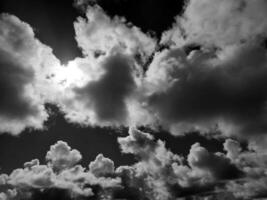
<point x="20" y="105"/>
<point x="60" y="156"/>
<point x="232" y="22"/>
<point x="201" y="91"/>
<point x="107" y="95"/>
<point x="218" y="165"/>
<point x="157" y="173"/>
<point x="99" y="33"/>
<point x="101" y="166"/>
<point x="183" y="88"/>
<point x="114" y="52"/>
<point x="180" y="91"/>
<point x="165" y="175"/>
<point x="61" y="176"/>
<point x="217" y="86"/>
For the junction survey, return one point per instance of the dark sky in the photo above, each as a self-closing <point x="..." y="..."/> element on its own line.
<point x="177" y="106"/>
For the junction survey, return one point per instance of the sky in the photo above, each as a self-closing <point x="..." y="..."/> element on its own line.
<point x="133" y="100"/>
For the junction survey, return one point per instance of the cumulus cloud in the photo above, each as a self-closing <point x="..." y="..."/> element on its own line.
<point x="107" y="93"/>
<point x="24" y="61"/>
<point x="219" y="87"/>
<point x="99" y="34"/>
<point x="210" y="90"/>
<point x="61" y="176"/>
<point x="219" y="23"/>
<point x="166" y="175"/>
<point x="158" y="173"/>
<point x="60" y="156"/>
<point x="101" y="166"/>
<point x="218" y="165"/>
<point x="106" y="97"/>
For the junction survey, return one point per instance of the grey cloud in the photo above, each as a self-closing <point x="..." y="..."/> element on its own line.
<point x="107" y="96"/>
<point x="101" y="33"/>
<point x="232" y="148"/>
<point x="19" y="106"/>
<point x="232" y="22"/>
<point x="221" y="86"/>
<point x="218" y="165"/>
<point x="209" y="90"/>
<point x="160" y="174"/>
<point x="102" y="166"/>
<point x="165" y="175"/>
<point x="24" y="64"/>
<point x="62" y="176"/>
<point x="60" y="156"/>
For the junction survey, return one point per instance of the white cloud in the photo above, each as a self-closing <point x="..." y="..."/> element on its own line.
<point x="98" y="33"/>
<point x="101" y="166"/>
<point x="25" y="62"/>
<point x="61" y="156"/>
<point x="219" y="23"/>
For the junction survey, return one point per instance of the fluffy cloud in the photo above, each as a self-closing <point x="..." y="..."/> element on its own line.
<point x="99" y="34"/>
<point x="165" y="175"/>
<point x="218" y="165"/>
<point x="101" y="166"/>
<point x="60" y="156"/>
<point x="218" y="88"/>
<point x="108" y="92"/>
<point x="106" y="97"/>
<point x="62" y="176"/>
<point x="24" y="61"/>
<point x="209" y="90"/>
<point x="221" y="86"/>
<point x="219" y="23"/>
<point x="157" y="174"/>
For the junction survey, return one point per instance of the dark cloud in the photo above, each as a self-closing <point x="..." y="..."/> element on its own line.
<point x="210" y="89"/>
<point x="107" y="95"/>
<point x="22" y="59"/>
<point x="60" y="156"/>
<point x="14" y="77"/>
<point x="217" y="164"/>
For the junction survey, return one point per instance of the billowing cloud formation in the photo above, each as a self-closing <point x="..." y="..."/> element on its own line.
<point x="209" y="90"/>
<point x="24" y="61"/>
<point x="61" y="156"/>
<point x="157" y="174"/>
<point x="107" y="95"/>
<point x="62" y="174"/>
<point x="101" y="166"/>
<point x="219" y="87"/>
<point x="99" y="34"/>
<point x="232" y="22"/>
<point x="211" y="77"/>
